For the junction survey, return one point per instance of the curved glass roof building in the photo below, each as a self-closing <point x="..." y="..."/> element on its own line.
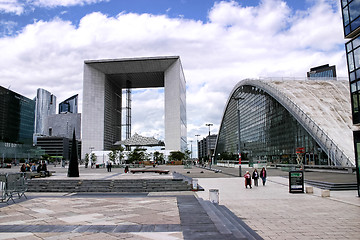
<point x="272" y="120"/>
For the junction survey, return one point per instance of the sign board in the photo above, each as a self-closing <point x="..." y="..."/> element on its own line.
<point x="296" y="182"/>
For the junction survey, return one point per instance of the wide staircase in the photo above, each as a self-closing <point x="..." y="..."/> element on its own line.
<point x="108" y="185"/>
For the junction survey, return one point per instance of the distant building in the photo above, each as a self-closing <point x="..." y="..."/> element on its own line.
<point x="324" y="71"/>
<point x="63" y="125"/>
<point x="16" y="125"/>
<point x="206" y="147"/>
<point x="69" y="105"/>
<point x="45" y="106"/>
<point x="58" y="147"/>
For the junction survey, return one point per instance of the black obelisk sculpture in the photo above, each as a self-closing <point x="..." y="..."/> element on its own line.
<point x="73" y="170"/>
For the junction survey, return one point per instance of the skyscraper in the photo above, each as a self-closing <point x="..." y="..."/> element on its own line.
<point x="16" y="125"/>
<point x="45" y="106"/>
<point x="351" y="23"/>
<point x="69" y="105"/>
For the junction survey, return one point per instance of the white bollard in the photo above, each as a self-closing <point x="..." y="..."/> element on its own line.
<point x="194" y="184"/>
<point x="214" y="195"/>
<point x="325" y="193"/>
<point x="309" y="190"/>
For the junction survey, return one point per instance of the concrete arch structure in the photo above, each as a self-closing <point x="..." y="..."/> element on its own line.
<point x="102" y="87"/>
<point x="321" y="107"/>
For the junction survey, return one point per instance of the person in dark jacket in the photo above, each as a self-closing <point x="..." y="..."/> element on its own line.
<point x="263" y="175"/>
<point x="23" y="168"/>
<point x="255" y="176"/>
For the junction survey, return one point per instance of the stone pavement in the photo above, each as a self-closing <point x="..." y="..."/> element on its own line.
<point x="274" y="213"/>
<point x="269" y="210"/>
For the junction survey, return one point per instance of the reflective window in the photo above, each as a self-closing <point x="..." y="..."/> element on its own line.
<point x="354" y="7"/>
<point x="268" y="132"/>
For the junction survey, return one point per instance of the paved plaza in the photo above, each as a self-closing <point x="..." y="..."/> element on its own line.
<point x="270" y="210"/>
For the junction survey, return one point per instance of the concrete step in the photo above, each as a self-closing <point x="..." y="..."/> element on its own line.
<point x="140" y="185"/>
<point x="332" y="186"/>
<point x="227" y="222"/>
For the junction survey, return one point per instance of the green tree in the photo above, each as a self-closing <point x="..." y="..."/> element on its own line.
<point x="176" y="156"/>
<point x="87" y="158"/>
<point x="113" y="156"/>
<point x="93" y="159"/>
<point x="159" y="157"/>
<point x="138" y="154"/>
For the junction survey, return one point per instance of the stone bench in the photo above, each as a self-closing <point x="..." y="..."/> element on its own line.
<point x="149" y="170"/>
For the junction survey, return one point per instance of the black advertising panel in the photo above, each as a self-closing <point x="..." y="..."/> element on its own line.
<point x="296" y="181"/>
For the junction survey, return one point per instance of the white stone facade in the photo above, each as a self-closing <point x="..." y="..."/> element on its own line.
<point x="102" y="85"/>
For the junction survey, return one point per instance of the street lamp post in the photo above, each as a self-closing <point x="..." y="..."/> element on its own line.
<point x="209" y="151"/>
<point x="239" y="135"/>
<point x="197" y="146"/>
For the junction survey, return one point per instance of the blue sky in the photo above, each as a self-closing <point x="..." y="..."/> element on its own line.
<point x="44" y="44"/>
<point x="189" y="9"/>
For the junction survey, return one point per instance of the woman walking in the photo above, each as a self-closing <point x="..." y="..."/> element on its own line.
<point x="255" y="176"/>
<point x="263" y="175"/>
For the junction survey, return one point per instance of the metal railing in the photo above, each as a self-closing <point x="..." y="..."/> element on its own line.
<point x="12" y="184"/>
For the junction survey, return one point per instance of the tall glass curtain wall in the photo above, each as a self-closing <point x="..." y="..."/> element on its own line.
<point x="353" y="58"/>
<point x="267" y="131"/>
<point x="351" y="16"/>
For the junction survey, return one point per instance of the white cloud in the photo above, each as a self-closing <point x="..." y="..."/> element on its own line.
<point x="11" y="6"/>
<point x="237" y="42"/>
<point x="64" y="3"/>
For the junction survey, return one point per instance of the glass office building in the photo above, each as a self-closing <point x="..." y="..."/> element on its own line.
<point x="324" y="71"/>
<point x="17" y="114"/>
<point x="45" y="106"/>
<point x="270" y="120"/>
<point x="351" y="24"/>
<point x="69" y="105"/>
<point x="268" y="132"/>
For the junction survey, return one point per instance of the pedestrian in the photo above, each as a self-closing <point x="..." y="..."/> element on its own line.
<point x="23" y="168"/>
<point x="107" y="166"/>
<point x="247" y="177"/>
<point x="263" y="175"/>
<point x="33" y="167"/>
<point x="44" y="169"/>
<point x="255" y="176"/>
<point x="110" y="165"/>
<point x="126" y="169"/>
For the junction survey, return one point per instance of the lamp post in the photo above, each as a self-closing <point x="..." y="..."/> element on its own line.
<point x="197" y="146"/>
<point x="239" y="143"/>
<point x="209" y="151"/>
<point x="191" y="141"/>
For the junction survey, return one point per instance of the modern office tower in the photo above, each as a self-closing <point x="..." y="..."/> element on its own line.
<point x="206" y="147"/>
<point x="16" y="124"/>
<point x="103" y="83"/>
<point x="351" y="24"/>
<point x="69" y="105"/>
<point x="45" y="106"/>
<point x="324" y="71"/>
<point x="277" y="117"/>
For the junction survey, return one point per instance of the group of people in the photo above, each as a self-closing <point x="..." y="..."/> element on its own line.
<point x="255" y="175"/>
<point x="42" y="167"/>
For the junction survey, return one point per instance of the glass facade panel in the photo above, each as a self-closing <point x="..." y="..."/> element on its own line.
<point x="351" y="62"/>
<point x="346" y="15"/>
<point x="355" y="102"/>
<point x="267" y="131"/>
<point x="354" y="8"/>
